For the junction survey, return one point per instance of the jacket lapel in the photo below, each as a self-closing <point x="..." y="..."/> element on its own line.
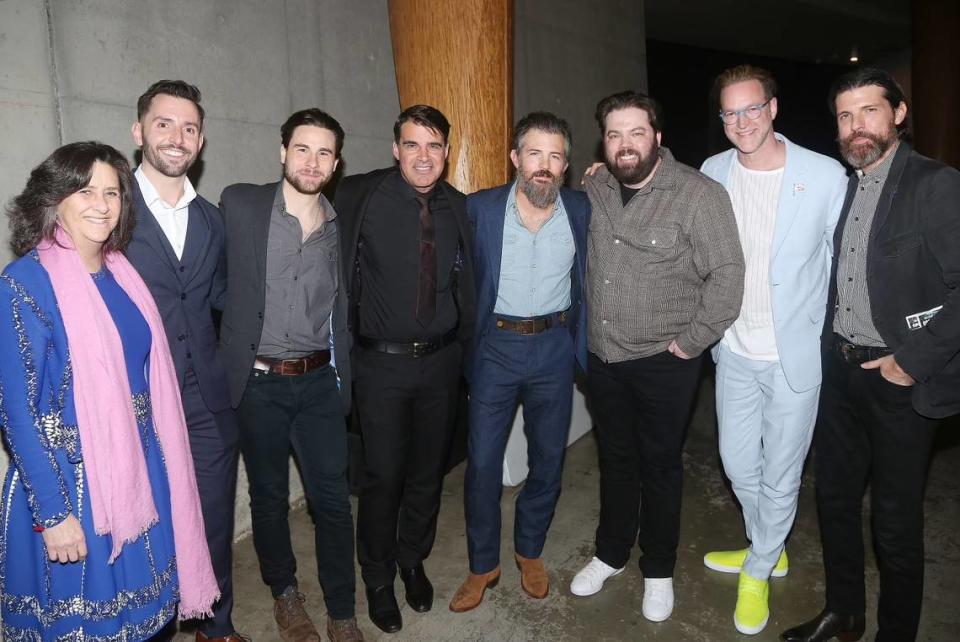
<point x="152" y="232"/>
<point x="889" y="188"/>
<point x="197" y="243"/>
<point x="260" y="211"/>
<point x="792" y="191"/>
<point x="493" y="229"/>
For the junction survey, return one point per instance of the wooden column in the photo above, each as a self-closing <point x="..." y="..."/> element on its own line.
<point x="457" y="55"/>
<point x="935" y="82"/>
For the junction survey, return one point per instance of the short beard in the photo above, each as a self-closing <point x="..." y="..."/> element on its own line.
<point x="639" y="172"/>
<point x="864" y="154"/>
<point x="302" y="187"/>
<point x="160" y="164"/>
<point x="540" y="196"/>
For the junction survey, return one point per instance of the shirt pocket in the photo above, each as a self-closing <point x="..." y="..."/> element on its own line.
<point x="655" y="244"/>
<point x="509" y="263"/>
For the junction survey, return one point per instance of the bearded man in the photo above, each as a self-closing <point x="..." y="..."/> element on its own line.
<point x="530" y="253"/>
<point x="891" y="366"/>
<point x="665" y="282"/>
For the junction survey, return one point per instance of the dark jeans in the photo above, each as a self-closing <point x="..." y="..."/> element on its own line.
<point x="303" y="413"/>
<point x="406" y="408"/>
<point x="214" y="446"/>
<point x="536" y="370"/>
<point x="641" y="409"/>
<point x="868" y="432"/>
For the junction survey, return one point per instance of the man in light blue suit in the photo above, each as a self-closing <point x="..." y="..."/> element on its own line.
<point x="787" y="200"/>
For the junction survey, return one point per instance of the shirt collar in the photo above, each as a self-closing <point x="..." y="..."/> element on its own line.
<point x="151" y="196"/>
<point x="880" y="172"/>
<point x="512" y="202"/>
<point x="280" y="205"/>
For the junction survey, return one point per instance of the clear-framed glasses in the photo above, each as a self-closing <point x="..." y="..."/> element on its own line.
<point x="752" y="112"/>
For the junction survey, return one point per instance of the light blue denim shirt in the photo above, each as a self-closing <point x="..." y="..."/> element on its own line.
<point x="534" y="268"/>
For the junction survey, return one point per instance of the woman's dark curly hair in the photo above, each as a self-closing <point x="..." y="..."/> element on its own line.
<point x="33" y="213"/>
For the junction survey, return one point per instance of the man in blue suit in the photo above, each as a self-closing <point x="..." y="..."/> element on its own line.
<point x="530" y="260"/>
<point x="178" y="248"/>
<point x="786" y="200"/>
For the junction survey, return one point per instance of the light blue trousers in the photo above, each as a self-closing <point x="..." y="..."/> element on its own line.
<point x="765" y="433"/>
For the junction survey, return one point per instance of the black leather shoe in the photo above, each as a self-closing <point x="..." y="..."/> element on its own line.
<point x="826" y="626"/>
<point x="419" y="588"/>
<point x="383" y="608"/>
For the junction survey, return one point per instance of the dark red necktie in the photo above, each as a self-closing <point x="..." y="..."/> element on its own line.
<point x="427" y="280"/>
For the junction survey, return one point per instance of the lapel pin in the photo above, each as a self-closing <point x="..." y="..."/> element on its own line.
<point x="799" y="187"/>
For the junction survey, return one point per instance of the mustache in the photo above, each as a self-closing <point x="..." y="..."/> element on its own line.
<point x="543" y="173"/>
<point x="629" y="151"/>
<point x="177" y="148"/>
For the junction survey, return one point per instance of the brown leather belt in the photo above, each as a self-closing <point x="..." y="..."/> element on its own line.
<point x="414" y="349"/>
<point x="854" y="354"/>
<point x="534" y="325"/>
<point x="293" y="367"/>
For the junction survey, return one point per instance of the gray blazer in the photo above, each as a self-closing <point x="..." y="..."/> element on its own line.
<point x="246" y="211"/>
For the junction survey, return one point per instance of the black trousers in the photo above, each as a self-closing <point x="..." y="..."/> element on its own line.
<point x="868" y="432"/>
<point x="214" y="446"/>
<point x="641" y="409"/>
<point x="304" y="414"/>
<point x="406" y="408"/>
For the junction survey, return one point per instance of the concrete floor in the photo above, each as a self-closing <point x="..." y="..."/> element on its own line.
<point x="704" y="599"/>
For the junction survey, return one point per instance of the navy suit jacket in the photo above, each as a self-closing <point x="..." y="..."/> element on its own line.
<point x="486" y="210"/>
<point x="186" y="289"/>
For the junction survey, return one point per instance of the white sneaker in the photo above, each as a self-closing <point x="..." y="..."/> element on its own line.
<point x="657" y="598"/>
<point x="591" y="577"/>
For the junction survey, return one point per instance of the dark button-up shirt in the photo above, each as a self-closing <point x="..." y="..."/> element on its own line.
<point x="390" y="264"/>
<point x="854" y="319"/>
<point x="301" y="283"/>
<point x="667" y="265"/>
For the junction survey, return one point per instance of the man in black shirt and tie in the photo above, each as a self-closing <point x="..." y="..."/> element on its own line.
<point x="408" y="265"/>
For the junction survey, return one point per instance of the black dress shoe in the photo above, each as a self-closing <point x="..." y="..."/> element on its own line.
<point x="419" y="588"/>
<point x="827" y="625"/>
<point x="383" y="608"/>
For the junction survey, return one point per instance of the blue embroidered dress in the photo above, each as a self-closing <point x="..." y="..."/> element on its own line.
<point x="132" y="598"/>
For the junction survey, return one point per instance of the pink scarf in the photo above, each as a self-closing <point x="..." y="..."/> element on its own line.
<point x="120" y="495"/>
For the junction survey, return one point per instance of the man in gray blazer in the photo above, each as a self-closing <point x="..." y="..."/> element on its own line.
<point x="286" y="350"/>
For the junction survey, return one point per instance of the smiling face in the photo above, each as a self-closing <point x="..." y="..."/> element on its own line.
<point x="867" y="125"/>
<point x="90" y="214"/>
<point x="630" y="145"/>
<point x="748" y="136"/>
<point x="309" y="159"/>
<point x="422" y="155"/>
<point x="169" y="135"/>
<point x="540" y="162"/>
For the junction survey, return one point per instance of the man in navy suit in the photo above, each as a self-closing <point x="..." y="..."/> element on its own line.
<point x="529" y="259"/>
<point x="178" y="248"/>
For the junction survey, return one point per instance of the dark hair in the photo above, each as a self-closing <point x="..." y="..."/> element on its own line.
<point x="425" y="116"/>
<point x="866" y="77"/>
<point x="312" y="117"/>
<point x="175" y="88"/>
<point x="626" y="99"/>
<point x="33" y="213"/>
<point x="542" y="121"/>
<point x="743" y="73"/>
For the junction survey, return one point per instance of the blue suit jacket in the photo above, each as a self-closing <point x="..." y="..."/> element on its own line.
<point x="811" y="196"/>
<point x="486" y="210"/>
<point x="186" y="289"/>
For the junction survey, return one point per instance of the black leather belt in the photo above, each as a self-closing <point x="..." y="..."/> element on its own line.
<point x="414" y="349"/>
<point x="533" y="325"/>
<point x="293" y="367"/>
<point x="854" y="354"/>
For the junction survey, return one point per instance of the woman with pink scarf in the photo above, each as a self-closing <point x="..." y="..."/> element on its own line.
<point x="100" y="530"/>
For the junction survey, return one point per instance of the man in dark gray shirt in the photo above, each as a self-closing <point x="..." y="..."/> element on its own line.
<point x="664" y="281"/>
<point x="286" y="350"/>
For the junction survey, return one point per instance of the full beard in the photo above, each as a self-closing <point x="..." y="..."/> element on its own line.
<point x="860" y="155"/>
<point x="173" y="169"/>
<point x="639" y="171"/>
<point x="301" y="185"/>
<point x="540" y="196"/>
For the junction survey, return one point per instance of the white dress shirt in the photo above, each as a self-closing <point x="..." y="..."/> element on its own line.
<point x="172" y="219"/>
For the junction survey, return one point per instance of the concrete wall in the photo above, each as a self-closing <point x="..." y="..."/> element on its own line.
<point x="73" y="69"/>
<point x="568" y="54"/>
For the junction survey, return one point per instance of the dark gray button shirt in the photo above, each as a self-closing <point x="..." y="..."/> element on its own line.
<point x="301" y="283"/>
<point x="667" y="265"/>
<point x="853" y="319"/>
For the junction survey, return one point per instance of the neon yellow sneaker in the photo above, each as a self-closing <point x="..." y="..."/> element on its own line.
<point x="732" y="562"/>
<point x="752" y="611"/>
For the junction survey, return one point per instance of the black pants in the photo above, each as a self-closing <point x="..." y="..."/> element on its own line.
<point x="303" y="413"/>
<point x="641" y="409"/>
<point x="868" y="432"/>
<point x="213" y="444"/>
<point x="406" y="408"/>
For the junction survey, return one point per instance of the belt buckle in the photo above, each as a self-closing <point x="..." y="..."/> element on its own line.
<point x="421" y="349"/>
<point x="528" y="326"/>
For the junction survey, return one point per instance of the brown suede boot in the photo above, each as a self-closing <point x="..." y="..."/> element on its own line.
<point x="533" y="577"/>
<point x="470" y="593"/>
<point x="292" y="619"/>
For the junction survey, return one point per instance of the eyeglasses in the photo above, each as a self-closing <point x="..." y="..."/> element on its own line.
<point x="752" y="113"/>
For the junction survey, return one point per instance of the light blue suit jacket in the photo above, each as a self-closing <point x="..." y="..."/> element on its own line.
<point x="811" y="196"/>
